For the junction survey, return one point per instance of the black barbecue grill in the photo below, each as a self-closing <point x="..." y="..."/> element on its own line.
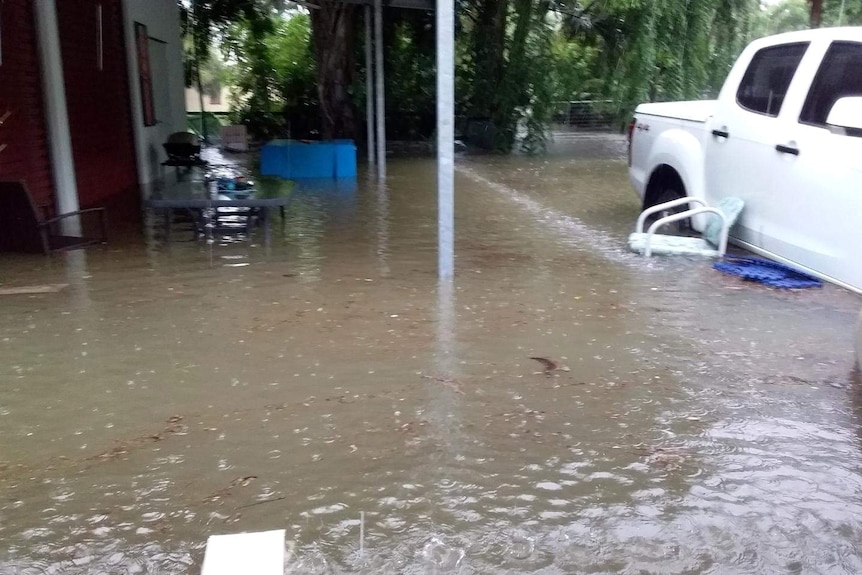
<point x="184" y="150"/>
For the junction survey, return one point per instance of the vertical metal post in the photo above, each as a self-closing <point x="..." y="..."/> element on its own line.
<point x="100" y="45"/>
<point x="379" y="90"/>
<point x="204" y="134"/>
<point x="446" y="137"/>
<point x="369" y="84"/>
<point x="57" y="115"/>
<point x="1" y="32"/>
<point x="195" y="14"/>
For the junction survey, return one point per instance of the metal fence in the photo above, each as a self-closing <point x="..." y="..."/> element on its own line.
<point x="587" y="114"/>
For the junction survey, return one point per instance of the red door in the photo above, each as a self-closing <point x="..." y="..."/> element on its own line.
<point x="97" y="99"/>
<point x="23" y="133"/>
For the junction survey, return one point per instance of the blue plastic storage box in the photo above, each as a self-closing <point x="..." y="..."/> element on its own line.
<point x="295" y="159"/>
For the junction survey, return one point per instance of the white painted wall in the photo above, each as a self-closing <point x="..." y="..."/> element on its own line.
<point x="162" y="19"/>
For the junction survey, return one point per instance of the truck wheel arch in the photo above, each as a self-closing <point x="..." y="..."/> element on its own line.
<point x="663" y="178"/>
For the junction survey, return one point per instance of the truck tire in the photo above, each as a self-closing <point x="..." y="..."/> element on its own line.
<point x="680" y="228"/>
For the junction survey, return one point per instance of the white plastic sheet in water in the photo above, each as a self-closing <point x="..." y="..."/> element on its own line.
<point x="260" y="553"/>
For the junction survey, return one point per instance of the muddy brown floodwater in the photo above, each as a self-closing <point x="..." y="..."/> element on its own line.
<point x="686" y="422"/>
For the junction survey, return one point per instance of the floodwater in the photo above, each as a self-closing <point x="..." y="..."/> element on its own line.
<point x="693" y="423"/>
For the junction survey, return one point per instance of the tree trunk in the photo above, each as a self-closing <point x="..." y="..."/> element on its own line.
<point x="510" y="91"/>
<point x="816" y="13"/>
<point x="488" y="47"/>
<point x="332" y="29"/>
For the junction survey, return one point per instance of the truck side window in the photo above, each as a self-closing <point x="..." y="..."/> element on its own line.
<point x="765" y="83"/>
<point x="840" y="75"/>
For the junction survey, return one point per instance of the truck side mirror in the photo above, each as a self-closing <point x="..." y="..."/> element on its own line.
<point x="846" y="113"/>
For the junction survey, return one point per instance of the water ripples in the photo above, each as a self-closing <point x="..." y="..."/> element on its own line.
<point x="579" y="235"/>
<point x="86" y="559"/>
<point x="694" y="430"/>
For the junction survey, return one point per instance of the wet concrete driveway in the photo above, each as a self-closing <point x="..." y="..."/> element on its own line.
<point x="686" y="422"/>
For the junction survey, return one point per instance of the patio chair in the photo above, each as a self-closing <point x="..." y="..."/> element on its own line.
<point x="234" y="138"/>
<point x="23" y="228"/>
<point x="712" y="244"/>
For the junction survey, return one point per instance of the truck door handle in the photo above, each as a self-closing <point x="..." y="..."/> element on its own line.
<point x="787" y="150"/>
<point x="721" y="133"/>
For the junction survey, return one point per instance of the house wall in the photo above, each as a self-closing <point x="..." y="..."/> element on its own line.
<point x="24" y="133"/>
<point x="163" y="25"/>
<point x="97" y="103"/>
<point x="193" y="103"/>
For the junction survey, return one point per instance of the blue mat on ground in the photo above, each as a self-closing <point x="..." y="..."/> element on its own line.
<point x="772" y="274"/>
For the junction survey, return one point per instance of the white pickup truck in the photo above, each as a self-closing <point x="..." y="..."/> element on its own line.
<point x="785" y="136"/>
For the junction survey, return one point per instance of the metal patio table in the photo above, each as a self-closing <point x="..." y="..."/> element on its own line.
<point x="204" y="198"/>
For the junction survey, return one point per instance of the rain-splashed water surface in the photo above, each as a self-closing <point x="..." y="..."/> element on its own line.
<point x="684" y="423"/>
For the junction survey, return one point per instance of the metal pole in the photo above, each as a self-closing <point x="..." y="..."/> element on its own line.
<point x="841" y="14"/>
<point x="369" y="84"/>
<point x="197" y="48"/>
<point x="200" y="94"/>
<point x="446" y="137"/>
<point x="57" y="115"/>
<point x="379" y="90"/>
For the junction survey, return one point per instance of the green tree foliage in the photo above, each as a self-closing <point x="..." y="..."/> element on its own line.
<point x="247" y="43"/>
<point x="572" y="68"/>
<point x="295" y="75"/>
<point x="664" y="49"/>
<point x="332" y="39"/>
<point x="785" y="16"/>
<point x="791" y="15"/>
<point x="514" y="58"/>
<point x="274" y="74"/>
<point x="203" y="20"/>
<point x="506" y="68"/>
<point x="521" y="55"/>
<point x="410" y="75"/>
<point x="838" y="13"/>
<point x="851" y="15"/>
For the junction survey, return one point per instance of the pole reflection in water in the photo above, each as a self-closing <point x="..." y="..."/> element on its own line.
<point x="382" y="226"/>
<point x="77" y="275"/>
<point x="446" y="328"/>
<point x="305" y="228"/>
<point x="442" y="553"/>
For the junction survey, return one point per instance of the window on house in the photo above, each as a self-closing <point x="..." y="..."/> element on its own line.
<point x="839" y="76"/>
<point x="765" y="83"/>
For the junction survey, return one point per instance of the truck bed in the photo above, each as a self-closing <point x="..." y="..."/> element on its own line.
<point x="694" y="111"/>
